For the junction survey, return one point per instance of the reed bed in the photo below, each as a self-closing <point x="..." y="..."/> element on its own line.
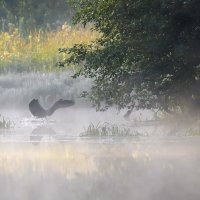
<point x="39" y="49"/>
<point x="5" y="123"/>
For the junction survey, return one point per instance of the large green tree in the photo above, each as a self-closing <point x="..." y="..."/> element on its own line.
<point x="147" y="56"/>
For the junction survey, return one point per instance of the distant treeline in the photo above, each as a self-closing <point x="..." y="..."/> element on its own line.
<point x="33" y="14"/>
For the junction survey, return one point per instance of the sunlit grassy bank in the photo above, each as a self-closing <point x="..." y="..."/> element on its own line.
<point x="39" y="50"/>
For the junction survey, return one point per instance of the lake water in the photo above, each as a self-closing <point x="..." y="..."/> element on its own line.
<point x="125" y="168"/>
<point x="51" y="159"/>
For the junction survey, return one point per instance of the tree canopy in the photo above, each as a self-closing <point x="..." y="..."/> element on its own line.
<point x="33" y="14"/>
<point x="147" y="56"/>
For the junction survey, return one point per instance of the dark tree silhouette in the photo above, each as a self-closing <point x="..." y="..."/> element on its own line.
<point x="147" y="56"/>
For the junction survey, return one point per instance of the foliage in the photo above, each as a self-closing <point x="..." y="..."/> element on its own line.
<point x="101" y="130"/>
<point x="148" y="55"/>
<point x="39" y="50"/>
<point x="5" y="123"/>
<point x="33" y="14"/>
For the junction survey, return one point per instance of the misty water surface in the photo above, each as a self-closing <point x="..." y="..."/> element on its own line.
<point x="48" y="159"/>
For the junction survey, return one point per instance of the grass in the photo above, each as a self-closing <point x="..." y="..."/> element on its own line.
<point x="101" y="130"/>
<point x="5" y="123"/>
<point x="39" y="50"/>
<point x="193" y="131"/>
<point x="106" y="129"/>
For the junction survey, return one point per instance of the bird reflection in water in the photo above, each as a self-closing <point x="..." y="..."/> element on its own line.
<point x="40" y="132"/>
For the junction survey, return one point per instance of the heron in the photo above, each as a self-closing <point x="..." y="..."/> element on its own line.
<point x="38" y="111"/>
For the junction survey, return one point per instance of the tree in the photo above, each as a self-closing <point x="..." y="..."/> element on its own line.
<point x="147" y="56"/>
<point x="33" y="14"/>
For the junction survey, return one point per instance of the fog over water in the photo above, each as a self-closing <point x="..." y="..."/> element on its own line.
<point x="51" y="159"/>
<point x="18" y="89"/>
<point x="130" y="169"/>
